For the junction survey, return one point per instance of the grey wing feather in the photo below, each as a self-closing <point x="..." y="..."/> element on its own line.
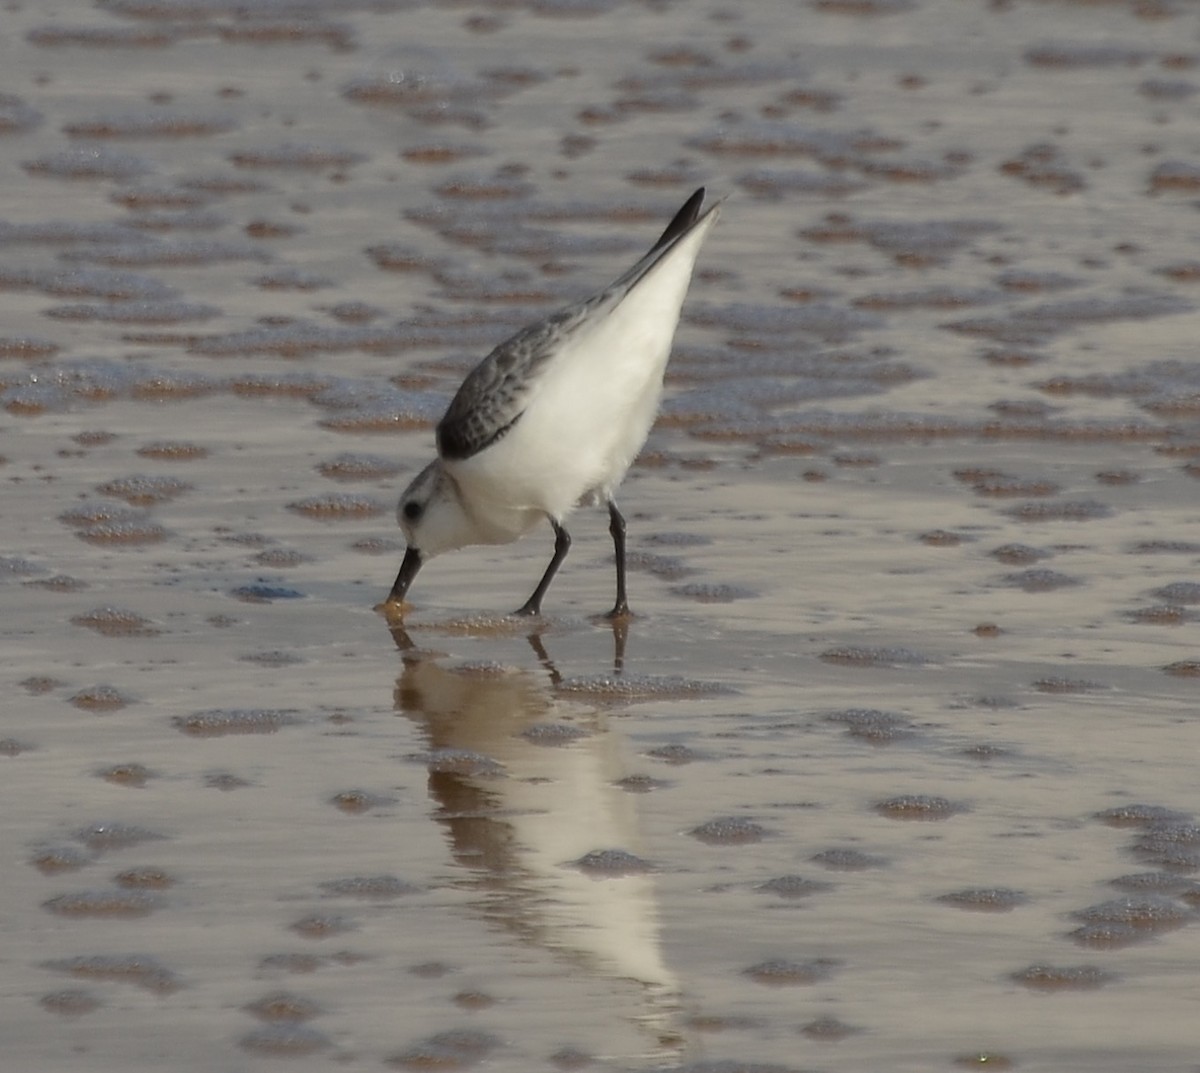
<point x="493" y="396"/>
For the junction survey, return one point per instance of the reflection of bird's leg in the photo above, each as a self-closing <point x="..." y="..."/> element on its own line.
<point x="539" y="650"/>
<point x="620" y="630"/>
<point x="562" y="545"/>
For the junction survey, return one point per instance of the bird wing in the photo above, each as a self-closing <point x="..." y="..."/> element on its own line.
<point x="494" y="395"/>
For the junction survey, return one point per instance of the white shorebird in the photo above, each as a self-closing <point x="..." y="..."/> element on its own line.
<point x="554" y="417"/>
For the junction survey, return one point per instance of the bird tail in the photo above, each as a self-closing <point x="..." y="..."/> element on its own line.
<point x="682" y="224"/>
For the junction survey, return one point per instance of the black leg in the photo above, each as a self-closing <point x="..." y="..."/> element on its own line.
<point x="616" y="526"/>
<point x="562" y="545"/>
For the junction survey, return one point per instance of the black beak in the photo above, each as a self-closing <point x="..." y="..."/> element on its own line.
<point x="408" y="571"/>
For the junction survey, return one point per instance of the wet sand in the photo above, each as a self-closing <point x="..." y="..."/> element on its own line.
<point x="895" y="765"/>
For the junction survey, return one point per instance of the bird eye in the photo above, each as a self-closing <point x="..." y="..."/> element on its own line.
<point x="412" y="510"/>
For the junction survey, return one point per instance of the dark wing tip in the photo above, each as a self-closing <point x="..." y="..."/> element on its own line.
<point x="459" y="436"/>
<point x="451" y="444"/>
<point x="681" y="221"/>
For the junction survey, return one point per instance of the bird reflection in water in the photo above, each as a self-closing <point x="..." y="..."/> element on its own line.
<point x="525" y="784"/>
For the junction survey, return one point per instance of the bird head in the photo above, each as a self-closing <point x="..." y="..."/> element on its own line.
<point x="432" y="518"/>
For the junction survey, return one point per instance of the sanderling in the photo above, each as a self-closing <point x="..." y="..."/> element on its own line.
<point x="554" y="417"/>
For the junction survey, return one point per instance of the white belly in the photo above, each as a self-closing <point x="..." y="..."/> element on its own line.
<point x="589" y="412"/>
<point x="578" y="436"/>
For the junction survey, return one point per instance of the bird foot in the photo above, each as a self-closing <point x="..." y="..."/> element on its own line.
<point x="528" y="611"/>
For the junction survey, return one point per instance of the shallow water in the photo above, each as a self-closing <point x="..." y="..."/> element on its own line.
<point x="895" y="765"/>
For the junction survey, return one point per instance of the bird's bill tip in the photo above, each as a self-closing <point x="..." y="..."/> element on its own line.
<point x="393" y="610"/>
<point x="408" y="570"/>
